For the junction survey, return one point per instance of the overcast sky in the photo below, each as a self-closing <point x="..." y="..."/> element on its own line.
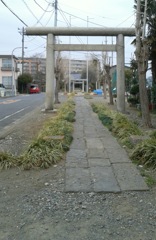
<point x="100" y="13"/>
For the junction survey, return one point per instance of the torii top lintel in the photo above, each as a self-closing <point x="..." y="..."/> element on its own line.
<point x="79" y="31"/>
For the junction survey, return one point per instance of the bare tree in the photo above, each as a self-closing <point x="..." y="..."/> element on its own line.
<point x="57" y="77"/>
<point x="103" y="78"/>
<point x="108" y="79"/>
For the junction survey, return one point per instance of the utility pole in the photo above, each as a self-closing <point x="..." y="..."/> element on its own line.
<point x="142" y="60"/>
<point x="58" y="60"/>
<point x="87" y="62"/>
<point x="55" y="19"/>
<point x="87" y="83"/>
<point x="22" y="33"/>
<point x="22" y="50"/>
<point x="69" y="64"/>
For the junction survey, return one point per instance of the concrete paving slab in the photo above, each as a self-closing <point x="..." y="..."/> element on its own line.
<point x="109" y="141"/>
<point x="129" y="177"/>
<point x="117" y="155"/>
<point x="94" y="143"/>
<point x="93" y="162"/>
<point x="96" y="153"/>
<point x="79" y="121"/>
<point x="76" y="153"/>
<point x="77" y="126"/>
<point x="78" y="180"/>
<point x="102" y="133"/>
<point x="78" y="135"/>
<point x="90" y="134"/>
<point x="104" y="179"/>
<point x="76" y="162"/>
<point x="78" y="144"/>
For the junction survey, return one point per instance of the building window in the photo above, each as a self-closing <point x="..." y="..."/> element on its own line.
<point x="7" y="82"/>
<point x="6" y="63"/>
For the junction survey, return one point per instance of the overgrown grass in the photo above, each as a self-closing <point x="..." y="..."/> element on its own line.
<point x="143" y="153"/>
<point x="116" y="122"/>
<point x="123" y="128"/>
<point x="7" y="160"/>
<point x="52" y="142"/>
<point x="148" y="178"/>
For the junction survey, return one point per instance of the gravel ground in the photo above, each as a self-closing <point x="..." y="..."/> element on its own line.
<point x="34" y="206"/>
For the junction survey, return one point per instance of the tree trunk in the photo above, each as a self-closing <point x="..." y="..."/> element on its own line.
<point x="110" y="90"/>
<point x="108" y="78"/>
<point x="104" y="88"/>
<point x="57" y="76"/>
<point x="143" y="90"/>
<point x="142" y="59"/>
<point x="153" y="63"/>
<point x="57" y="87"/>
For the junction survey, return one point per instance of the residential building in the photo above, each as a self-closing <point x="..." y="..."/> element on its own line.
<point x="34" y="65"/>
<point x="9" y="71"/>
<point x="37" y="68"/>
<point x="75" y="67"/>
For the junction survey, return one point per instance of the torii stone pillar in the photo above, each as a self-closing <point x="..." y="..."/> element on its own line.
<point x="120" y="74"/>
<point x="78" y="31"/>
<point x="50" y="76"/>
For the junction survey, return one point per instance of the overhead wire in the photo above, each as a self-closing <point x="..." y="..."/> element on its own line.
<point x="31" y="12"/>
<point x="43" y="16"/>
<point x="36" y="48"/>
<point x="45" y="10"/>
<point x="125" y="20"/>
<point x="84" y="19"/>
<point x="13" y="13"/>
<point x="87" y="12"/>
<point x="69" y="24"/>
<point x="49" y="18"/>
<point x="18" y="16"/>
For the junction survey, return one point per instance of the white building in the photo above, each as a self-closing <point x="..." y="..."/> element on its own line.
<point x="9" y="72"/>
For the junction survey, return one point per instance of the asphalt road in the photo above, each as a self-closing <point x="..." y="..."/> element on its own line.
<point x="12" y="109"/>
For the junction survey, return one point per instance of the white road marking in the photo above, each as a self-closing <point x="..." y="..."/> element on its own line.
<point x="13" y="114"/>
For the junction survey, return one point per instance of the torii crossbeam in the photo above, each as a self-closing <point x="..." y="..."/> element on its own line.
<point x="119" y="47"/>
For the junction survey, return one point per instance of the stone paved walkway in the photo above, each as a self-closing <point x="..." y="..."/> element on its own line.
<point x="96" y="162"/>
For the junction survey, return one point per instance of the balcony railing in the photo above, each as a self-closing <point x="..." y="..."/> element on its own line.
<point x="10" y="69"/>
<point x="6" y="68"/>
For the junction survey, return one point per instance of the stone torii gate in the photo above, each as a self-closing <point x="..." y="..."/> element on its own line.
<point x="52" y="46"/>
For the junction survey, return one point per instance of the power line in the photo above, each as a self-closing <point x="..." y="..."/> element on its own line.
<point x="84" y="19"/>
<point x="45" y="10"/>
<point x="43" y="16"/>
<point x="125" y="20"/>
<point x="14" y="13"/>
<point x="31" y="12"/>
<point x="87" y="12"/>
<point x="69" y="24"/>
<point x="49" y="18"/>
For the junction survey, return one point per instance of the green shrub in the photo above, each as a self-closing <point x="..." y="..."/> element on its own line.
<point x="7" y="160"/>
<point x="106" y="120"/>
<point x="48" y="148"/>
<point x="117" y="123"/>
<point x="145" y="153"/>
<point x="123" y="127"/>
